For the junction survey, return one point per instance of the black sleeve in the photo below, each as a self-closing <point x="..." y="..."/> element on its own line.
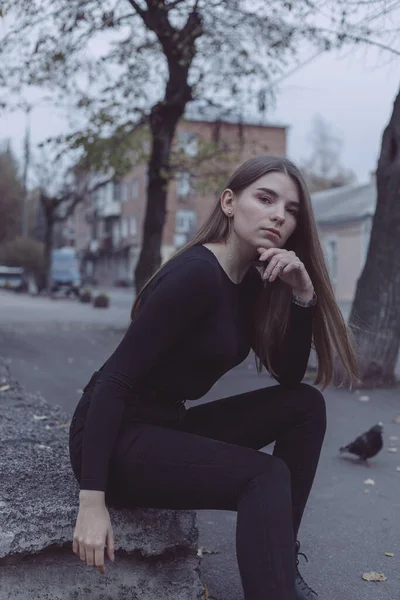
<point x="290" y="363"/>
<point x="186" y="292"/>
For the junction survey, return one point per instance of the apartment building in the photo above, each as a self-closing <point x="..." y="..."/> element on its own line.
<point x="344" y="217"/>
<point x="108" y="226"/>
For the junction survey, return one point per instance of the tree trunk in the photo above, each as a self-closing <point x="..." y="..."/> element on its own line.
<point x="48" y="248"/>
<point x="376" y="308"/>
<point x="163" y="122"/>
<point x="179" y="47"/>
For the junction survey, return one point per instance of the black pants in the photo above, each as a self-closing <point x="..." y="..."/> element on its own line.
<point x="211" y="461"/>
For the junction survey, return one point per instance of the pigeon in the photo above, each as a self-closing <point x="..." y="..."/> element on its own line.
<point x="367" y="444"/>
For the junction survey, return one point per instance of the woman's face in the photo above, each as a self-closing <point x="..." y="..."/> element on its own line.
<point x="270" y="202"/>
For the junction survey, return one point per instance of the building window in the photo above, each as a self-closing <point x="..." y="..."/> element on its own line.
<point x="134" y="189"/>
<point x="185" y="221"/>
<point x="366" y="236"/>
<point x="188" y="142"/>
<point x="331" y="245"/>
<point x="124" y="192"/>
<point x="183" y="183"/>
<point x="133" y="224"/>
<point x="125" y="228"/>
<point x="102" y="195"/>
<point x="117" y="196"/>
<point x="116" y="233"/>
<point x="179" y="240"/>
<point x="106" y="195"/>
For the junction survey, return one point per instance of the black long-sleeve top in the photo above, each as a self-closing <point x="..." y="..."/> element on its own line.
<point x="192" y="326"/>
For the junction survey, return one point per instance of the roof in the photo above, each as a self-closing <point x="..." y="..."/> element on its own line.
<point x="214" y="114"/>
<point x="346" y="203"/>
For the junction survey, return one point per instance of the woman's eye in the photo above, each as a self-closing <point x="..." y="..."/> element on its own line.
<point x="293" y="211"/>
<point x="265" y="198"/>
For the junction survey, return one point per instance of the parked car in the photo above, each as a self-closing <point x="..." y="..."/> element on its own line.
<point x="12" y="278"/>
<point x="65" y="275"/>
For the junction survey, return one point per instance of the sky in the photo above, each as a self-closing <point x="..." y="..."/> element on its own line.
<point x="353" y="90"/>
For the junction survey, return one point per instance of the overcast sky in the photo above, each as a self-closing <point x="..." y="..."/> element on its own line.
<point x="353" y="91"/>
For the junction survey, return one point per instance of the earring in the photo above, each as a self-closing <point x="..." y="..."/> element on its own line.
<point x="229" y="212"/>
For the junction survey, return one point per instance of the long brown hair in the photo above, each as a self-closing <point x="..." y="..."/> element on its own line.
<point x="271" y="317"/>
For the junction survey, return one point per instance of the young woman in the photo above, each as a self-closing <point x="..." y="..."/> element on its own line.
<point x="253" y="277"/>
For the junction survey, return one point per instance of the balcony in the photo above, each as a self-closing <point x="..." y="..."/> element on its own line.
<point x="111" y="209"/>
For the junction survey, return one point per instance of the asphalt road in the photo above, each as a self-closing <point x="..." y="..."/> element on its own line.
<point x="54" y="346"/>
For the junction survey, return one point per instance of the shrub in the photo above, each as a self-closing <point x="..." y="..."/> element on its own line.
<point x="85" y="296"/>
<point x="24" y="252"/>
<point x="101" y="301"/>
<point x="124" y="283"/>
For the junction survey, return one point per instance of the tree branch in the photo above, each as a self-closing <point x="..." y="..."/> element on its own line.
<point x="359" y="38"/>
<point x="173" y="5"/>
<point x="140" y="11"/>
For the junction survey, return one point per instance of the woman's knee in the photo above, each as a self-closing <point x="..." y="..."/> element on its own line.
<point x="313" y="401"/>
<point x="271" y="470"/>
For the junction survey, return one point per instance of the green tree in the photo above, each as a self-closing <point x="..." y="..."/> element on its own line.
<point x="10" y="195"/>
<point x="24" y="252"/>
<point x="119" y="63"/>
<point x="60" y="191"/>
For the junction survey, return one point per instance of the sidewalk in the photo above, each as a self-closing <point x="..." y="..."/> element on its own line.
<point x="348" y="524"/>
<point x="42" y="309"/>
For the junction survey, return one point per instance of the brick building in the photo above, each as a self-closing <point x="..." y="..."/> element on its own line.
<point x="108" y="226"/>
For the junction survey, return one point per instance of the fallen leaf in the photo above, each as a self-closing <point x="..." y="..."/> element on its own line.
<point x="366" y="491"/>
<point x="42" y="447"/>
<point x="39" y="418"/>
<point x="392" y="449"/>
<point x="364" y="398"/>
<point x="70" y="360"/>
<point x="4" y="388"/>
<point x="47" y="427"/>
<point x="389" y="553"/>
<point x="397" y="419"/>
<point x="398" y="469"/>
<point x="79" y="391"/>
<point x="201" y="551"/>
<point x="64" y="425"/>
<point x="394" y="438"/>
<point x="372" y="576"/>
<point x="369" y="482"/>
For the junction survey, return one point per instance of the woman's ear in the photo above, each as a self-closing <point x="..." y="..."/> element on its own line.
<point x="226" y="199"/>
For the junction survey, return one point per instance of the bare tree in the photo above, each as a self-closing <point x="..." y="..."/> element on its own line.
<point x="323" y="168"/>
<point x="375" y="314"/>
<point x="117" y="63"/>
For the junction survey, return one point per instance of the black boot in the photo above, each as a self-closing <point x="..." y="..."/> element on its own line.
<point x="303" y="591"/>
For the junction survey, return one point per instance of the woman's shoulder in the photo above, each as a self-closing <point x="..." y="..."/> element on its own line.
<point x="192" y="267"/>
<point x="196" y="259"/>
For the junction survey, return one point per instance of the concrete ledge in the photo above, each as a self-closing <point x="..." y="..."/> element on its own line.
<point x="156" y="550"/>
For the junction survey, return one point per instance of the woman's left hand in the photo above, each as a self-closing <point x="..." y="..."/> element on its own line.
<point x="288" y="267"/>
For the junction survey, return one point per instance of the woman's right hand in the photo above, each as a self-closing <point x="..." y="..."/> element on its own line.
<point x="93" y="531"/>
